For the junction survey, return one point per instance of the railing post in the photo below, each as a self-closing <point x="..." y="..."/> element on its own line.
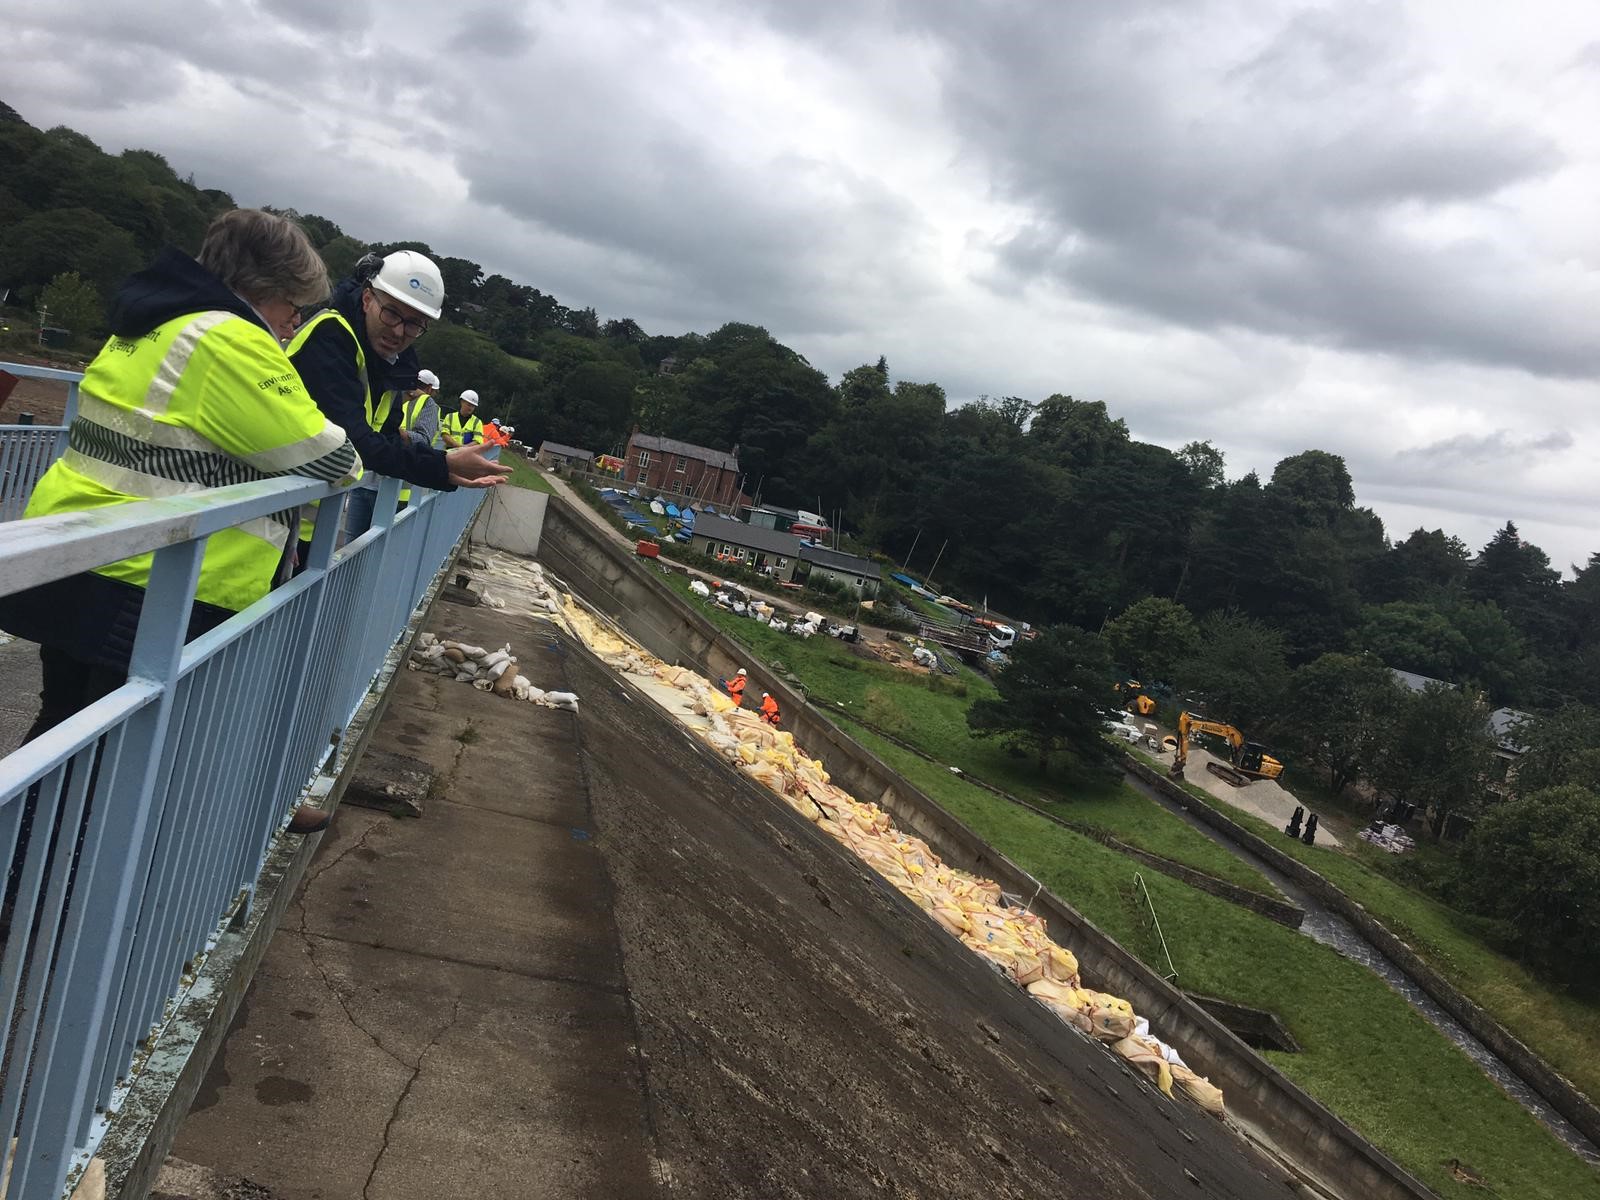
<point x="115" y="854"/>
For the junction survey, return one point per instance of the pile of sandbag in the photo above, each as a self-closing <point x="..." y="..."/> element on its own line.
<point x="1010" y="937"/>
<point x="487" y="670"/>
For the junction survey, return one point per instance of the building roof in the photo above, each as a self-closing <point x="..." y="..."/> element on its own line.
<point x="1504" y="724"/>
<point x="838" y="560"/>
<point x="1415" y="682"/>
<point x="751" y="537"/>
<point x="714" y="458"/>
<point x="564" y="451"/>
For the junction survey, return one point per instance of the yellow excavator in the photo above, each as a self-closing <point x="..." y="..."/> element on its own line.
<point x="1250" y="760"/>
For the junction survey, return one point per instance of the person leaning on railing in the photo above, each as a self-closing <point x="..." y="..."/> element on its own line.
<point x="357" y="357"/>
<point x="192" y="391"/>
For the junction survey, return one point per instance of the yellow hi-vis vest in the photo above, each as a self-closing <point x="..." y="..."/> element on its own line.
<point x="376" y="414"/>
<point x="204" y="400"/>
<point x="453" y="424"/>
<point x="410" y="410"/>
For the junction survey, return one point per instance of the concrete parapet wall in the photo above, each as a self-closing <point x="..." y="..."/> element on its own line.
<point x="1560" y="1092"/>
<point x="1315" y="1140"/>
<point x="511" y="520"/>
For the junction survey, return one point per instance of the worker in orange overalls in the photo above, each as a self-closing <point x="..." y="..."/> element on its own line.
<point x="735" y="688"/>
<point x="769" y="710"/>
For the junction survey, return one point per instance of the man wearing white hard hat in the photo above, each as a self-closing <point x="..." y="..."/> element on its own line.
<point x="357" y="359"/>
<point x="463" y="427"/>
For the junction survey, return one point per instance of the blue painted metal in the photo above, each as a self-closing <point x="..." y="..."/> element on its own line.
<point x="170" y="792"/>
<point x="26" y="450"/>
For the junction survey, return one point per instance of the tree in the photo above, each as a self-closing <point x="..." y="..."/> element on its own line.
<point x="1316" y="485"/>
<point x="71" y="304"/>
<point x="592" y="405"/>
<point x="1436" y="752"/>
<point x="1050" y="697"/>
<point x="1340" y="707"/>
<point x="1559" y="749"/>
<point x="1517" y="576"/>
<point x="48" y="244"/>
<point x="1152" y="636"/>
<point x="1426" y="564"/>
<point x="1205" y="462"/>
<point x="1238" y="669"/>
<point x="340" y="256"/>
<point x="1533" y="863"/>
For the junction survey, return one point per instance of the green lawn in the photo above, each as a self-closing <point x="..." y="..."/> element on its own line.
<point x="1366" y="1053"/>
<point x="524" y="474"/>
<point x="1561" y="1028"/>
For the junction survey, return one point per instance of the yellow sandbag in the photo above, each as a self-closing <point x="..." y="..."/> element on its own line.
<point x="1197" y="1089"/>
<point x="1108" y="1024"/>
<point x="1062" y="964"/>
<point x="1148" y="1059"/>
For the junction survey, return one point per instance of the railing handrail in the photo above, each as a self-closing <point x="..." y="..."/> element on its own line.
<point x="157" y="806"/>
<point x="30" y="371"/>
<point x="44" y="549"/>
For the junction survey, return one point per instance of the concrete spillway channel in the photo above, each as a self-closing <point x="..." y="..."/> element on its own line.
<point x="1334" y="931"/>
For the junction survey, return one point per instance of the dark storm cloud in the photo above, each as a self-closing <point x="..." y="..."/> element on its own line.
<point x="1220" y="173"/>
<point x="1502" y="446"/>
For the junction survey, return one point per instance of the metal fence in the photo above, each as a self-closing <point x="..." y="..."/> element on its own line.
<point x="155" y="808"/>
<point x="26" y="450"/>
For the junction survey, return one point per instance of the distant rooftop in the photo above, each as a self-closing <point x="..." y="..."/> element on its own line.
<point x="838" y="560"/>
<point x="751" y="537"/>
<point x="1415" y="682"/>
<point x="564" y="451"/>
<point x="715" y="458"/>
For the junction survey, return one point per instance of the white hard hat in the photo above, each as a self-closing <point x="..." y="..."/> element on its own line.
<point x="742" y="671"/>
<point x="469" y="397"/>
<point x="427" y="378"/>
<point x="413" y="279"/>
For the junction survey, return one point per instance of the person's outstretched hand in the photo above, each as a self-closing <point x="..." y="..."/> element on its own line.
<point x="469" y="468"/>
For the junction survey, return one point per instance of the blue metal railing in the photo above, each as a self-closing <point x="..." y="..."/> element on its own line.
<point x="169" y="793"/>
<point x="26" y="450"/>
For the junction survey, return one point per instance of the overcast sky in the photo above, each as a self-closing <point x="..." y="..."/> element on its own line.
<point x="1368" y="228"/>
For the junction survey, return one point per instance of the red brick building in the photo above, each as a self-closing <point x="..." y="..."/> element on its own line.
<point x="668" y="465"/>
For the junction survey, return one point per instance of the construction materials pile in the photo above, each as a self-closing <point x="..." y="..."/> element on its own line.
<point x="1006" y="934"/>
<point x="1388" y="837"/>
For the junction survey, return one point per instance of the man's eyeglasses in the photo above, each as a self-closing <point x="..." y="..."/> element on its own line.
<point x="395" y="319"/>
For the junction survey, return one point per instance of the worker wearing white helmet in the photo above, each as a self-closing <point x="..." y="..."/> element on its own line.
<point x="735" y="687"/>
<point x="462" y="427"/>
<point x="357" y="359"/>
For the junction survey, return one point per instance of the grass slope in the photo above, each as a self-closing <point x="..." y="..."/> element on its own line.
<point x="1562" y="1028"/>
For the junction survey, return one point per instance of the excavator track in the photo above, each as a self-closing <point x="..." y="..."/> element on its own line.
<point x="1224" y="772"/>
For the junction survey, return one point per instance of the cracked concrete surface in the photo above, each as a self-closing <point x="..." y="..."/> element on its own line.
<point x="605" y="965"/>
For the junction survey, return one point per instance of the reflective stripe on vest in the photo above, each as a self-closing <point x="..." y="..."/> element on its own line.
<point x="202" y="401"/>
